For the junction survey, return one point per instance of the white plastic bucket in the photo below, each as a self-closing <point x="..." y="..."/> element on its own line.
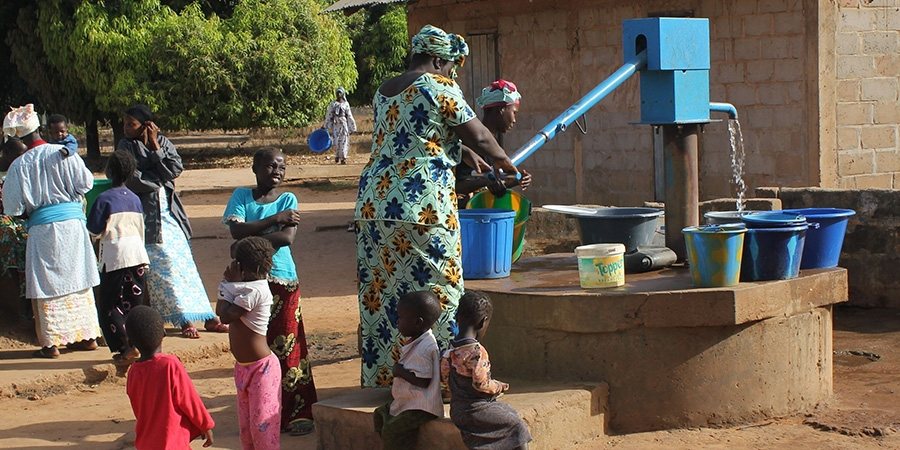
<point x="601" y="265"/>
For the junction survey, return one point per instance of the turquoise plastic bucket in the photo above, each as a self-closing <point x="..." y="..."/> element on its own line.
<point x="823" y="244"/>
<point x="101" y="185"/>
<point x="773" y="253"/>
<point x="487" y="236"/>
<point x="714" y="254"/>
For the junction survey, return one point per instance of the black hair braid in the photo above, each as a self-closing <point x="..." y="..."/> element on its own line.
<point x="254" y="252"/>
<point x="474" y="306"/>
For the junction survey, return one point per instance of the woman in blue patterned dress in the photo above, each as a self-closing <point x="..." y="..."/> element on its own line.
<point x="407" y="224"/>
<point x="173" y="281"/>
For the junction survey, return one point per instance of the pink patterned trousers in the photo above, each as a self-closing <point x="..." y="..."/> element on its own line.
<point x="259" y="403"/>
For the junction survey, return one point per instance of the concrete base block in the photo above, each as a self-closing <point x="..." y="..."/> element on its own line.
<point x="673" y="356"/>
<point x="558" y="416"/>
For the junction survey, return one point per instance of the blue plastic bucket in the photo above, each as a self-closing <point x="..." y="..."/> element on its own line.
<point x="773" y="253"/>
<point x="487" y="237"/>
<point x="823" y="245"/>
<point x="714" y="254"/>
<point x="773" y="219"/>
<point x="319" y="141"/>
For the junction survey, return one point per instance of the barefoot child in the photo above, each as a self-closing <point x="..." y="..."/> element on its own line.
<point x="416" y="389"/>
<point x="117" y="220"/>
<point x="168" y="410"/>
<point x="268" y="212"/>
<point x="483" y="422"/>
<point x="245" y="303"/>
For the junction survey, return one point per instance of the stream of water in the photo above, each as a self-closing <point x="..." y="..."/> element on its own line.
<point x="737" y="161"/>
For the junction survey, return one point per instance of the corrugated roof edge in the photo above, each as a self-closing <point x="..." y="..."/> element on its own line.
<point x="346" y="4"/>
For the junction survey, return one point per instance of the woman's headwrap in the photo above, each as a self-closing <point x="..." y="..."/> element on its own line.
<point x="341" y="92"/>
<point x="21" y="121"/>
<point x="499" y="93"/>
<point x="140" y="112"/>
<point x="434" y="41"/>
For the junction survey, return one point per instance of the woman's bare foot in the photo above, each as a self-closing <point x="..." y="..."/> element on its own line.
<point x="216" y="326"/>
<point x="188" y="331"/>
<point x="85" y="345"/>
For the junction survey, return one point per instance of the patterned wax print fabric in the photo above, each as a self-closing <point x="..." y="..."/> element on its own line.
<point x="67" y="319"/>
<point x="287" y="339"/>
<point x="12" y="241"/>
<point x="408" y="228"/>
<point x="173" y="281"/>
<point x="340" y="124"/>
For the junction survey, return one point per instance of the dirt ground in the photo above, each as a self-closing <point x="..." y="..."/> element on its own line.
<point x="864" y="413"/>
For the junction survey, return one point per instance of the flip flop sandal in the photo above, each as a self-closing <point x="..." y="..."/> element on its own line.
<point x="190" y="332"/>
<point x="302" y="427"/>
<point x="41" y="353"/>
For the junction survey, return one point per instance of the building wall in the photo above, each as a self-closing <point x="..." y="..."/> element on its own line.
<point x="764" y="60"/>
<point x="867" y="46"/>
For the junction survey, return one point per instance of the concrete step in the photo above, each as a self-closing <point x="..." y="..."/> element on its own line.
<point x="558" y="415"/>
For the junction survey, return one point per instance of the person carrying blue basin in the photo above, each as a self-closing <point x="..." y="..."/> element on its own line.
<point x="340" y="125"/>
<point x="408" y="236"/>
<point x="500" y="103"/>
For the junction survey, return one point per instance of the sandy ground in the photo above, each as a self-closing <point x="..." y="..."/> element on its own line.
<point x="865" y="412"/>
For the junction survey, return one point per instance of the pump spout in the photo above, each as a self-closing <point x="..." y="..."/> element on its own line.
<point x="727" y="108"/>
<point x="577" y="110"/>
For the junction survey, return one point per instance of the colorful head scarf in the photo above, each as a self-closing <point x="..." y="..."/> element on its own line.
<point x="341" y="92"/>
<point x="499" y="93"/>
<point x="21" y="121"/>
<point x="434" y="41"/>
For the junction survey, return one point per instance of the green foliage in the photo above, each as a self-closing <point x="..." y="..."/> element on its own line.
<point x="263" y="63"/>
<point x="380" y="45"/>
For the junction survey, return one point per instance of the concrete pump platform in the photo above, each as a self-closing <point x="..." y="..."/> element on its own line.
<point x="558" y="415"/>
<point x="672" y="355"/>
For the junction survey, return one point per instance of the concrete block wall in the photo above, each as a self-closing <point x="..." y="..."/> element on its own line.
<point x="867" y="47"/>
<point x="557" y="51"/>
<point x="871" y="251"/>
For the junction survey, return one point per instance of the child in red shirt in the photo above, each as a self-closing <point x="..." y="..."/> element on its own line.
<point x="168" y="410"/>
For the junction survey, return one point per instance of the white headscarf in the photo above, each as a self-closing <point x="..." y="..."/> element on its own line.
<point x="21" y="121"/>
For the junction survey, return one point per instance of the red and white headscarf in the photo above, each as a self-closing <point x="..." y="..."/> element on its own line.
<point x="499" y="93"/>
<point x="21" y="121"/>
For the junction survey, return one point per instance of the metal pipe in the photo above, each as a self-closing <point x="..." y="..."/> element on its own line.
<point x="577" y="110"/>
<point x="680" y="143"/>
<point x="725" y="108"/>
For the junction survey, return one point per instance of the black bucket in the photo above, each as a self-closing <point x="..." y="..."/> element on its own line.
<point x="633" y="227"/>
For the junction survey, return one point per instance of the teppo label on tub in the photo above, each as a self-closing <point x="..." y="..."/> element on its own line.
<point x="601" y="272"/>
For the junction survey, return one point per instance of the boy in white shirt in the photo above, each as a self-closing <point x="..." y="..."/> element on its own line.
<point x="416" y="389"/>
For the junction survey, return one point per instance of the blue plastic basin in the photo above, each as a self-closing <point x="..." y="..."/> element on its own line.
<point x="319" y="141"/>
<point x="487" y="236"/>
<point x="823" y="245"/>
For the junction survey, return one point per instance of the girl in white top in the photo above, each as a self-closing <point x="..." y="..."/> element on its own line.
<point x="245" y="303"/>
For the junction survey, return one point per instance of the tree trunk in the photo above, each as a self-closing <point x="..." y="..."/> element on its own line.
<point x="92" y="134"/>
<point x="116" y="123"/>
